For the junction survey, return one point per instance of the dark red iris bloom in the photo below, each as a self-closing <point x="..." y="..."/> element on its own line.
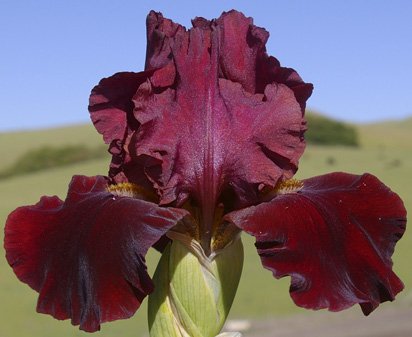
<point x="206" y="140"/>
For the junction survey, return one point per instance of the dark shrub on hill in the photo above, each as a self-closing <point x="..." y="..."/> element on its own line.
<point x="326" y="131"/>
<point x="48" y="157"/>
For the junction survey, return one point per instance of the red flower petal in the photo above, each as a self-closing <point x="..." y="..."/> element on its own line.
<point x="269" y="70"/>
<point x="209" y="130"/>
<point x="111" y="109"/>
<point x="241" y="43"/>
<point x="243" y="58"/>
<point x="335" y="238"/>
<point x="160" y="33"/>
<point x="85" y="256"/>
<point x="111" y="106"/>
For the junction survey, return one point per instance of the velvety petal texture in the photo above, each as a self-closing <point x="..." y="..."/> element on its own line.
<point x="212" y="130"/>
<point x="334" y="237"/>
<point x="85" y="256"/>
<point x="209" y="95"/>
<point x="111" y="106"/>
<point x="111" y="110"/>
<point x="243" y="58"/>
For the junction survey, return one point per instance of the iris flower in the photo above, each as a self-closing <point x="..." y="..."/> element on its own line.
<point x="205" y="143"/>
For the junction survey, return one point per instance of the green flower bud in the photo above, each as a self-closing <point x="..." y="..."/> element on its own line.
<point x="193" y="292"/>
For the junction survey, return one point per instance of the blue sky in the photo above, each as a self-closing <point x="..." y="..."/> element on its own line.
<point x="357" y="53"/>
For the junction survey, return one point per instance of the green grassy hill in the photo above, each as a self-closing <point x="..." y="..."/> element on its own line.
<point x="15" y="144"/>
<point x="387" y="135"/>
<point x="386" y="151"/>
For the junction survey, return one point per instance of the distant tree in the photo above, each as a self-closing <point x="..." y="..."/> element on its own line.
<point x="326" y="131"/>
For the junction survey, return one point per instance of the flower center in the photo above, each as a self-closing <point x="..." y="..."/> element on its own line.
<point x="132" y="191"/>
<point x="288" y="186"/>
<point x="222" y="232"/>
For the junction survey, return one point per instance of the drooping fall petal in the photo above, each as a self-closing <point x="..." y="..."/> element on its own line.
<point x="334" y="237"/>
<point x="211" y="130"/>
<point x="85" y="256"/>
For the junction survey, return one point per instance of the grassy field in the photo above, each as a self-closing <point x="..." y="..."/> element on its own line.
<point x="386" y="151"/>
<point x="15" y="144"/>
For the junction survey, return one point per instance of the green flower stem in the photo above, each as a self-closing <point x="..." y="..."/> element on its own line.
<point x="193" y="293"/>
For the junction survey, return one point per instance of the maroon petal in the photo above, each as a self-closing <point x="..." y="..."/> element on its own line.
<point x="240" y="45"/>
<point x="268" y="70"/>
<point x="207" y="132"/>
<point x="111" y="109"/>
<point x="213" y="96"/>
<point x="85" y="256"/>
<point x="243" y="58"/>
<point x="160" y="33"/>
<point x="334" y="237"/>
<point x="111" y="106"/>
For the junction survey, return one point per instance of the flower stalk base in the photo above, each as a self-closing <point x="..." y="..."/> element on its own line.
<point x="193" y="293"/>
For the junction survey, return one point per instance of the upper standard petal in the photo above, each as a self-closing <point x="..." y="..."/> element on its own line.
<point x="85" y="256"/>
<point x="210" y="130"/>
<point x="214" y="119"/>
<point x="334" y="236"/>
<point x="243" y="58"/>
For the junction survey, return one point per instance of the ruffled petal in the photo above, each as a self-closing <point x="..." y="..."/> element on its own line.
<point x="209" y="131"/>
<point x="268" y="70"/>
<point x="160" y="34"/>
<point x="111" y="110"/>
<point x="86" y="256"/>
<point x="207" y="93"/>
<point x="241" y="43"/>
<point x="243" y="58"/>
<point x="111" y="106"/>
<point x="334" y="237"/>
